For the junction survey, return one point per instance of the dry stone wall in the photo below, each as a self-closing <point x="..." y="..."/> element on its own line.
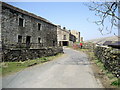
<point x="25" y="54"/>
<point x="89" y="46"/>
<point x="110" y="58"/>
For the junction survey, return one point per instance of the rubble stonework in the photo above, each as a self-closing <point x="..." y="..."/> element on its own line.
<point x="27" y="54"/>
<point x="11" y="29"/>
<point x="24" y="33"/>
<point x="91" y="46"/>
<point x="110" y="58"/>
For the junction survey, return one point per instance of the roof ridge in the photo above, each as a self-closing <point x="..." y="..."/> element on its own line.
<point x="25" y="12"/>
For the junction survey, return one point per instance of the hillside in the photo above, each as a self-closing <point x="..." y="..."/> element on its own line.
<point x="102" y="40"/>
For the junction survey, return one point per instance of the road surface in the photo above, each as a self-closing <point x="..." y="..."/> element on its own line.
<point x="69" y="71"/>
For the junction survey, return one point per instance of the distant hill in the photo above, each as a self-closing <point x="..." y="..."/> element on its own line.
<point x="102" y="40"/>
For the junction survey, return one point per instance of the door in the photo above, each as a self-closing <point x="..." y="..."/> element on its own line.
<point x="28" y="38"/>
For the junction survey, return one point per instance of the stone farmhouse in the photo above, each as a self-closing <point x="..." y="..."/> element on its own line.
<point x="24" y="35"/>
<point x="65" y="37"/>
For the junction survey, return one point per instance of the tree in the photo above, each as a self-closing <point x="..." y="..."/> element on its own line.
<point x="107" y="12"/>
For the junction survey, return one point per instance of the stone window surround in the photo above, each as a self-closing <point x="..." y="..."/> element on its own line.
<point x="64" y="37"/>
<point x="20" y="38"/>
<point x="23" y="20"/>
<point x="23" y="37"/>
<point x="40" y="28"/>
<point x="17" y="38"/>
<point x="40" y="41"/>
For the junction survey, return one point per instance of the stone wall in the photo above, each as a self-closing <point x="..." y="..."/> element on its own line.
<point x="24" y="35"/>
<point x="110" y="58"/>
<point x="25" y="54"/>
<point x="11" y="28"/>
<point x="89" y="46"/>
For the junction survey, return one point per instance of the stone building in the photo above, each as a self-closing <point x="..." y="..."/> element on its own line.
<point x="64" y="37"/>
<point x="21" y="30"/>
<point x="76" y="34"/>
<point x="81" y="39"/>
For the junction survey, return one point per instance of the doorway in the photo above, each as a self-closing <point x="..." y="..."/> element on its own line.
<point x="65" y="43"/>
<point x="28" y="39"/>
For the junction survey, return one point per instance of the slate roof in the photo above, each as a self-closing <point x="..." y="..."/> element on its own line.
<point x="107" y="42"/>
<point x="114" y="44"/>
<point x="25" y="12"/>
<point x="111" y="43"/>
<point x="117" y="43"/>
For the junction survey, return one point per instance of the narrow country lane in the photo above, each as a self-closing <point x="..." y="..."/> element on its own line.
<point x="69" y="71"/>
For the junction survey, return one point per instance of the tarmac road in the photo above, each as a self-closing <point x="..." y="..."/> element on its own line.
<point x="69" y="71"/>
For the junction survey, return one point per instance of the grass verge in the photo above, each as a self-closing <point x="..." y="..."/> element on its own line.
<point x="107" y="78"/>
<point x="12" y="67"/>
<point x="114" y="82"/>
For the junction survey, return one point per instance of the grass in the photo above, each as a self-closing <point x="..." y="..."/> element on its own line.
<point x="114" y="80"/>
<point x="12" y="67"/>
<point x="116" y="83"/>
<point x="69" y="46"/>
<point x="84" y="50"/>
<point x="99" y="64"/>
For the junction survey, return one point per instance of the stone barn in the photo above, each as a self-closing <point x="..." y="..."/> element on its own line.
<point x="23" y="33"/>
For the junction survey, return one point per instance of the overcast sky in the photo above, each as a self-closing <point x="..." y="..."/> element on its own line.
<point x="72" y="15"/>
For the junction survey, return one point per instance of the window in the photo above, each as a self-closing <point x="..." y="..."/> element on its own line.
<point x="64" y="38"/>
<point x="39" y="40"/>
<point x="21" y="22"/>
<point x="39" y="26"/>
<point x="54" y="43"/>
<point x="19" y="39"/>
